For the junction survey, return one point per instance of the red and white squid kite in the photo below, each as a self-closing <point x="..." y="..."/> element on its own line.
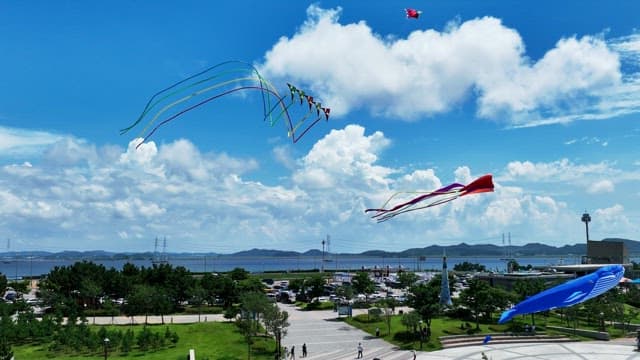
<point x="413" y="13"/>
<point x="443" y="195"/>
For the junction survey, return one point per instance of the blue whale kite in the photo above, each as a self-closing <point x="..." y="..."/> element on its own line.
<point x="568" y="294"/>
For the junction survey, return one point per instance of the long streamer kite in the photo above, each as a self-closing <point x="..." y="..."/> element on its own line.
<point x="570" y="293"/>
<point x="224" y="79"/>
<point x="432" y="198"/>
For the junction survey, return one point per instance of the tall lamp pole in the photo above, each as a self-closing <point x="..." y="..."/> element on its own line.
<point x="106" y="347"/>
<point x="322" y="266"/>
<point x="585" y="219"/>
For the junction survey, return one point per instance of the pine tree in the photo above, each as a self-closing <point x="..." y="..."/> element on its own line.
<point x="5" y="350"/>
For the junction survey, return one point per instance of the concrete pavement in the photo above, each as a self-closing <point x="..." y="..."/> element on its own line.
<point x="591" y="350"/>
<point x="328" y="339"/>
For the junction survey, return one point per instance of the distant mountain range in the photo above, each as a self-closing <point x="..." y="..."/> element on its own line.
<point x="460" y="250"/>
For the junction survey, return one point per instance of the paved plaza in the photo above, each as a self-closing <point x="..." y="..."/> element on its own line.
<point x="600" y="350"/>
<point x="328" y="339"/>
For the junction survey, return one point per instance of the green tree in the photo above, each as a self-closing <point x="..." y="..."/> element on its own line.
<point x="276" y="322"/>
<point x="345" y="291"/>
<point x="297" y="285"/>
<point x="3" y="283"/>
<point x="497" y="299"/>
<point x="249" y="285"/>
<point x="140" y="301"/>
<point x="475" y="297"/>
<point x="469" y="267"/>
<point x="363" y="284"/>
<point x="253" y="305"/>
<point x="225" y="289"/>
<point x="7" y="331"/>
<point x="523" y="288"/>
<point x="316" y="286"/>
<point x="245" y="326"/>
<point x="425" y="299"/>
<point x="198" y="296"/>
<point x="407" y="279"/>
<point x="411" y="320"/>
<point x="388" y="307"/>
<point x="239" y="274"/>
<point x="300" y="287"/>
<point x="5" y="350"/>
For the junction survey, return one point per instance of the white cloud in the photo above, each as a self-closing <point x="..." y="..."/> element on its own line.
<point x="431" y="71"/>
<point x="602" y="186"/>
<point x="344" y="157"/>
<point x="207" y="202"/>
<point x="282" y="154"/>
<point x="22" y="142"/>
<point x="612" y="222"/>
<point x="560" y="170"/>
<point x="594" y="140"/>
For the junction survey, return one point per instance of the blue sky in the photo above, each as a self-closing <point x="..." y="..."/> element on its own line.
<point x="544" y="96"/>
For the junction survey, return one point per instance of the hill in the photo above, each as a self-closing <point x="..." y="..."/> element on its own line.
<point x="459" y="250"/>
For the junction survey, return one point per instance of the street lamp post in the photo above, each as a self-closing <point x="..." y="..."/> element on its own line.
<point x="586" y="219"/>
<point x="105" y="342"/>
<point x="601" y="321"/>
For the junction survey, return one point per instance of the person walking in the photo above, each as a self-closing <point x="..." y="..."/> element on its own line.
<point x="293" y="352"/>
<point x="286" y="353"/>
<point x="360" y="349"/>
<point x="304" y="350"/>
<point x="413" y="352"/>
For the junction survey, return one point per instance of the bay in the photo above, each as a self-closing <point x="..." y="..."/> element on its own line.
<point x="30" y="266"/>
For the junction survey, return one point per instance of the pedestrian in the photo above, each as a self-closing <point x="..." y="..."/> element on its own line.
<point x="360" y="348"/>
<point x="304" y="350"/>
<point x="293" y="352"/>
<point x="286" y="353"/>
<point x="377" y="332"/>
<point x="413" y="352"/>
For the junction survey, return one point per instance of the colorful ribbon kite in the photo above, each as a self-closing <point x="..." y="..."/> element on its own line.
<point x="218" y="81"/>
<point x="440" y="196"/>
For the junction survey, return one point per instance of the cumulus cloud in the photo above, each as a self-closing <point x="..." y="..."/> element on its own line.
<point x="612" y="222"/>
<point x="351" y="66"/>
<point x="559" y="170"/>
<point x="342" y="157"/>
<point x="602" y="186"/>
<point x="209" y="201"/>
<point x="21" y="142"/>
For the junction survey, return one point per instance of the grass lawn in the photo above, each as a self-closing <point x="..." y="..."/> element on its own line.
<point x="443" y="326"/>
<point x="211" y="341"/>
<point x="322" y="305"/>
<point x="403" y="337"/>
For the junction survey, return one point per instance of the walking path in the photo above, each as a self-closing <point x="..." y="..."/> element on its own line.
<point x="328" y="339"/>
<point x="590" y="350"/>
<point x="154" y="319"/>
